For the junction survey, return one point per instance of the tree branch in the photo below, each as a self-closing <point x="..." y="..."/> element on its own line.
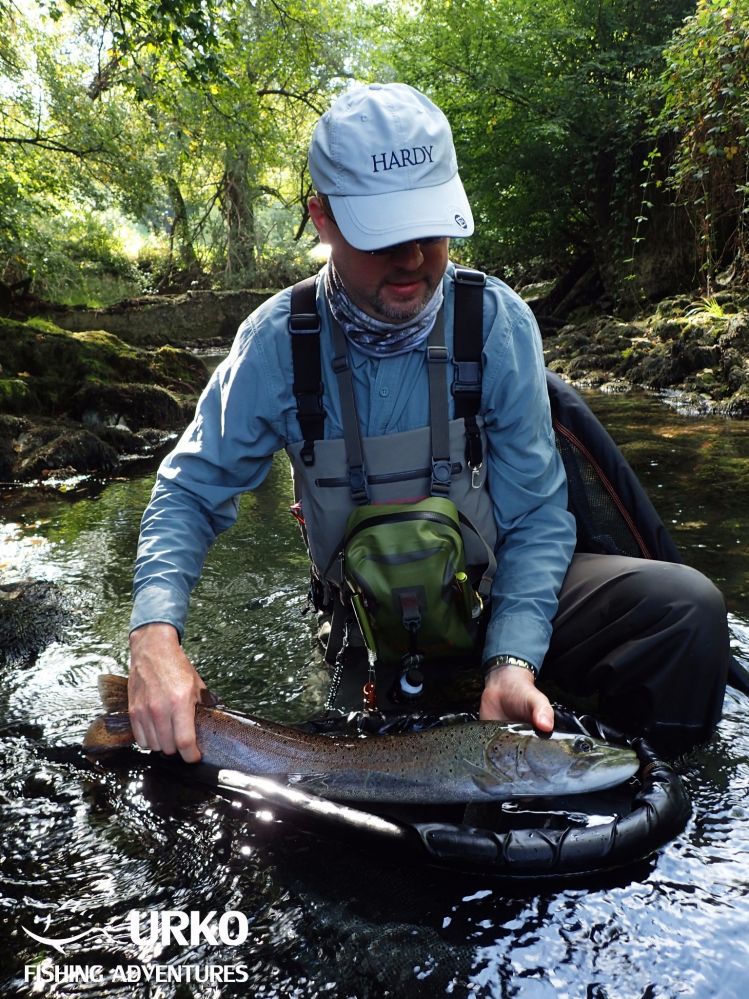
<point x="303" y="98"/>
<point x="51" y="144"/>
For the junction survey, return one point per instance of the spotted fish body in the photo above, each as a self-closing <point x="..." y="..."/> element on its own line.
<point x="474" y="761"/>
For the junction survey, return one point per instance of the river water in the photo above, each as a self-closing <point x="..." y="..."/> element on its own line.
<point x="82" y="846"/>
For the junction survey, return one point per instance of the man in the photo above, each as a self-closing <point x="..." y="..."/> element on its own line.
<point x="649" y="638"/>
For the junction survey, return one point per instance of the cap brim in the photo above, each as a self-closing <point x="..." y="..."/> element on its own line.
<point x="371" y="222"/>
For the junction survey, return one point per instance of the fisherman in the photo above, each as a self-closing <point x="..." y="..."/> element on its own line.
<point x="648" y="639"/>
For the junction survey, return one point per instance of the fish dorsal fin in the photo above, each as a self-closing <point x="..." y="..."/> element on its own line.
<point x="113" y="692"/>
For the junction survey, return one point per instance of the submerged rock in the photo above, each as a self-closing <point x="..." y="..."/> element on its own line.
<point x="76" y="450"/>
<point x="33" y="614"/>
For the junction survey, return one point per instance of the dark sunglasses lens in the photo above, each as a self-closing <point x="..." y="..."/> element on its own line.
<point x="385" y="250"/>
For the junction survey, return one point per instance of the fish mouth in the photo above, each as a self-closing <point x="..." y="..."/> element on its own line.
<point x="606" y="767"/>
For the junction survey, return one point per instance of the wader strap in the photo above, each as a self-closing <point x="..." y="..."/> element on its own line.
<point x="304" y="327"/>
<point x="439" y="423"/>
<point x="468" y="342"/>
<point x="357" y="473"/>
<point x="485" y="583"/>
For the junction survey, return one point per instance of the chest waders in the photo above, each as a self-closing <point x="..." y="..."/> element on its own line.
<point x="400" y="528"/>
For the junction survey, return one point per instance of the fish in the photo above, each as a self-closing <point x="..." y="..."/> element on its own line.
<point x="462" y="762"/>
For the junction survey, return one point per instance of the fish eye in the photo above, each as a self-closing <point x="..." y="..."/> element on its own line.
<point x="582" y="745"/>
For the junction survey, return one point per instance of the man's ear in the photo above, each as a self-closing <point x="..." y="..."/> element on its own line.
<point x="320" y="218"/>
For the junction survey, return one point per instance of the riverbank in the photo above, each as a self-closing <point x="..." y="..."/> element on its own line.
<point x="695" y="348"/>
<point x="90" y="403"/>
<point x="86" y="403"/>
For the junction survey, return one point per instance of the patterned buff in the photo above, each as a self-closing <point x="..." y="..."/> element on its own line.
<point x="370" y="335"/>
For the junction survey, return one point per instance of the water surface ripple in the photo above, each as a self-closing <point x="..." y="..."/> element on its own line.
<point x="82" y="845"/>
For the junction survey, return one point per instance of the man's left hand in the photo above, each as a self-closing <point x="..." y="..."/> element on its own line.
<point x="510" y="694"/>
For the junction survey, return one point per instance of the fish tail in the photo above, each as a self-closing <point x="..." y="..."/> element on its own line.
<point x="113" y="692"/>
<point x="108" y="733"/>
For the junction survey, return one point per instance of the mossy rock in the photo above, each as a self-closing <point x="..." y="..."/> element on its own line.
<point x="738" y="404"/>
<point x="673" y="307"/>
<point x="132" y="406"/>
<point x="53" y="364"/>
<point x="17" y="397"/>
<point x="179" y="370"/>
<point x="79" y="450"/>
<point x="11" y="427"/>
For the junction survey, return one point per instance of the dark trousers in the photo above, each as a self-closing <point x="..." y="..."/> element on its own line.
<point x="647" y="642"/>
<point x="641" y="644"/>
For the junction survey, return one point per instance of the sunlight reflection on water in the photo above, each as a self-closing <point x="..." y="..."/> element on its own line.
<point x="87" y="844"/>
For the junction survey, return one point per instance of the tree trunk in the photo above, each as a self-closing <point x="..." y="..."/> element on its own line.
<point x="181" y="238"/>
<point x="239" y="213"/>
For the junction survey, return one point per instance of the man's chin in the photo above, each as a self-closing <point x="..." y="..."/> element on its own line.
<point x="394" y="308"/>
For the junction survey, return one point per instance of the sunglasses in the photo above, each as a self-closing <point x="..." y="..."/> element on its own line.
<point x="383" y="251"/>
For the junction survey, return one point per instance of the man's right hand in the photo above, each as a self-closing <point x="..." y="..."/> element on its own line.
<point x="163" y="689"/>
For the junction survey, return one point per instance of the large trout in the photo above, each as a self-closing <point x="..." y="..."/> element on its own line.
<point x="473" y="761"/>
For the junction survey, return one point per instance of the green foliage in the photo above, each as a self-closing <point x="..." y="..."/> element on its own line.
<point x="189" y="118"/>
<point x="704" y="106"/>
<point x="75" y="257"/>
<point x="707" y="306"/>
<point x="544" y="101"/>
<point x="184" y="29"/>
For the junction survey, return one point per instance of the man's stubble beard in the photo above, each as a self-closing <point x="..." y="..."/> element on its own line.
<point x="395" y="314"/>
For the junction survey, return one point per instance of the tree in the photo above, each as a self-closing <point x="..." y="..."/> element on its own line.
<point x="702" y="96"/>
<point x="195" y="132"/>
<point x="545" y="106"/>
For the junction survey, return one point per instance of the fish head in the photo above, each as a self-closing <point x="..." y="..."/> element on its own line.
<point x="562" y="763"/>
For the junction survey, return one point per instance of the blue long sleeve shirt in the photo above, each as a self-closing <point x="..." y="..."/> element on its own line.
<point x="247" y="412"/>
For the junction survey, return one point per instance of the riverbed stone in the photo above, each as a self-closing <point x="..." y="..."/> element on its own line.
<point x="700" y="347"/>
<point x="132" y="407"/>
<point x="33" y="614"/>
<point x="79" y="450"/>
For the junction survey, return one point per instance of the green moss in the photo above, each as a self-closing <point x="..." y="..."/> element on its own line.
<point x="46" y="367"/>
<point x="43" y="325"/>
<point x="106" y="341"/>
<point x="179" y="369"/>
<point x="16" y="397"/>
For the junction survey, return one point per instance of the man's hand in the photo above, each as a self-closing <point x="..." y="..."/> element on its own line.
<point x="163" y="689"/>
<point x="510" y="694"/>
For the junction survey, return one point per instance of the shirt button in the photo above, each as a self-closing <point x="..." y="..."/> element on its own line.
<point x="384" y="391"/>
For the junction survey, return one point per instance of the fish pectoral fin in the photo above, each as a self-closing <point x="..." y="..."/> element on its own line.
<point x="483" y="779"/>
<point x="210" y="700"/>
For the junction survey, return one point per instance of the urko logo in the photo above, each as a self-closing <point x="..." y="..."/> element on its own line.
<point x="188" y="928"/>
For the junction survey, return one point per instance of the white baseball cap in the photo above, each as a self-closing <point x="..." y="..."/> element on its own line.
<point x="384" y="156"/>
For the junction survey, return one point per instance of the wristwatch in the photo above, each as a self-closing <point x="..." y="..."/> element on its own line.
<point x="497" y="662"/>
